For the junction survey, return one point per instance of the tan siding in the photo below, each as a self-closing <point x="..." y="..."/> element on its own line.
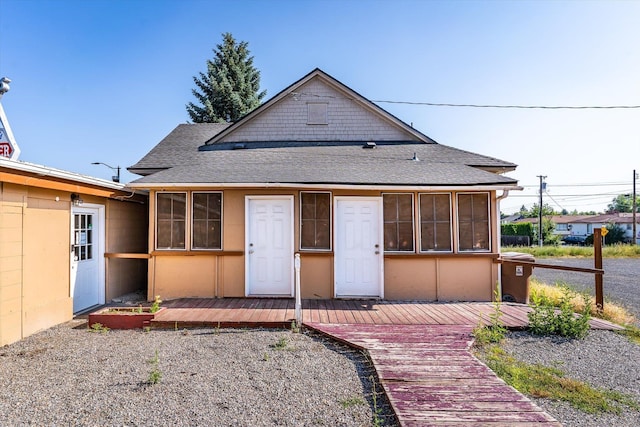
<point x="47" y="243"/>
<point x="465" y="279"/>
<point x="10" y="264"/>
<point x="431" y="278"/>
<point x="406" y="278"/>
<point x="178" y="276"/>
<point x="316" y="276"/>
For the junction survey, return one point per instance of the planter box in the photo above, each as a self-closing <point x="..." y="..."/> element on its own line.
<point x="123" y="317"/>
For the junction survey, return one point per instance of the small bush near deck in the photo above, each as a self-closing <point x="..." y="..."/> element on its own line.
<point x="495" y="331"/>
<point x="546" y="319"/>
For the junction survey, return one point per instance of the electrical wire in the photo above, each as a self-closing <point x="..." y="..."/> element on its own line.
<point x="297" y="95"/>
<point x="528" y="107"/>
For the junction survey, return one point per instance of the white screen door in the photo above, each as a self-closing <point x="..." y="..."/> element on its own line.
<point x="87" y="257"/>
<point x="359" y="253"/>
<point x="269" y="245"/>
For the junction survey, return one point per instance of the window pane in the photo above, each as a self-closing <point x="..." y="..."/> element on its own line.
<point x="170" y="220"/>
<point x="323" y="206"/>
<point x="323" y="234"/>
<point x="177" y="235"/>
<point x="179" y="206"/>
<point x="164" y="206"/>
<point x="214" y="235"/>
<point x="435" y="221"/>
<point x="315" y="228"/>
<point x="405" y="207"/>
<point x="390" y="236"/>
<point x="443" y="237"/>
<point x="207" y="221"/>
<point x="398" y="222"/>
<point x="473" y="214"/>
<point x="405" y="236"/>
<point x="390" y="207"/>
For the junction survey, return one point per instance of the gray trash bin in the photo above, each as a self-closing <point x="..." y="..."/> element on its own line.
<point x="515" y="277"/>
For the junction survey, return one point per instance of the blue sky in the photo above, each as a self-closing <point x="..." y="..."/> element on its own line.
<point x="107" y="80"/>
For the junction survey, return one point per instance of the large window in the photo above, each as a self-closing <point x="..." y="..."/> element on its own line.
<point x="315" y="221"/>
<point x="473" y="222"/>
<point x="435" y="222"/>
<point x="171" y="213"/>
<point x="398" y="222"/>
<point x="207" y="221"/>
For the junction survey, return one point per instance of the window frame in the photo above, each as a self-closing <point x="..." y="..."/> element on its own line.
<point x="489" y="226"/>
<point x="330" y="219"/>
<point x="413" y="224"/>
<point x="186" y="221"/>
<point x="192" y="217"/>
<point x="436" y="251"/>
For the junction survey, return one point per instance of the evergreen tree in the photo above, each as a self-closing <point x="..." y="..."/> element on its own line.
<point x="230" y="87"/>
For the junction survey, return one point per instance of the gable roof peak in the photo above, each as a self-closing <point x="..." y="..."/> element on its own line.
<point x="357" y="100"/>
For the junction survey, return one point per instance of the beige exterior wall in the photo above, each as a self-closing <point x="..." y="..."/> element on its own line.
<point x="430" y="277"/>
<point x="35" y="253"/>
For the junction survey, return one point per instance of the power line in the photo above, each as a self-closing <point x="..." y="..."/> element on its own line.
<point x="297" y="95"/>
<point x="526" y="107"/>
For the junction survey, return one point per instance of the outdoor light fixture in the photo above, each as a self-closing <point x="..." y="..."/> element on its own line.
<point x="114" y="178"/>
<point x="76" y="200"/>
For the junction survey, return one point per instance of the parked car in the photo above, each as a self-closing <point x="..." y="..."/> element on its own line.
<point x="574" y="240"/>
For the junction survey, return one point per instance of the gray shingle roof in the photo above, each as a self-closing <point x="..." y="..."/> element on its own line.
<point x="178" y="147"/>
<point x="309" y="163"/>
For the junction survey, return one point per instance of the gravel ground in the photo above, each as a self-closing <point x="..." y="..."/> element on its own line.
<point x="621" y="279"/>
<point x="604" y="359"/>
<point x="70" y="376"/>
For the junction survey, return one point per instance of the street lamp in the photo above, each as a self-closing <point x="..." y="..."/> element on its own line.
<point x="114" y="178"/>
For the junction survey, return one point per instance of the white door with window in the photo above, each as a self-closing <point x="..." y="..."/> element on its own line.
<point x="359" y="252"/>
<point x="87" y="257"/>
<point x="269" y="246"/>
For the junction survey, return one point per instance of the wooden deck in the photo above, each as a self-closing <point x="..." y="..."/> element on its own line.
<point x="272" y="312"/>
<point x="420" y="351"/>
<point x="431" y="378"/>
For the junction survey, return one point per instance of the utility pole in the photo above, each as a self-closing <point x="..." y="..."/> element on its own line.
<point x="635" y="208"/>
<point x="542" y="185"/>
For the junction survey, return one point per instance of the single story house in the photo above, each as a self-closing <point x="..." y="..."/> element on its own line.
<point x="375" y="208"/>
<point x="68" y="242"/>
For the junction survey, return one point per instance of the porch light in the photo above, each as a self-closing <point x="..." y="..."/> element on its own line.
<point x="76" y="200"/>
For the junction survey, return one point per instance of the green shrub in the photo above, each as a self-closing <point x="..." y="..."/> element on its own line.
<point x="547" y="319"/>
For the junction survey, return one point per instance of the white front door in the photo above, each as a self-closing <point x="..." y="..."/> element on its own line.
<point x="87" y="257"/>
<point x="359" y="253"/>
<point x="269" y="246"/>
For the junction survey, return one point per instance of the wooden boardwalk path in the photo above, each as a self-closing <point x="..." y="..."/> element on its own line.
<point x="432" y="379"/>
<point x="279" y="312"/>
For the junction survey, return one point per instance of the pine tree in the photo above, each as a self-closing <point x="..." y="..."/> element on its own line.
<point x="230" y="87"/>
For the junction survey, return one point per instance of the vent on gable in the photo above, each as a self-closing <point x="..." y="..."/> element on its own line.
<point x="317" y="113"/>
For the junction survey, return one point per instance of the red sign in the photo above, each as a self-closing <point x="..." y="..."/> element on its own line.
<point x="5" y="149"/>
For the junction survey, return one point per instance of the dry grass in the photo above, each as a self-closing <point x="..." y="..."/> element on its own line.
<point x="609" y="251"/>
<point x="612" y="312"/>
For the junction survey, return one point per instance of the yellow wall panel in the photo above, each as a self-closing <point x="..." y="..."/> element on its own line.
<point x="466" y="279"/>
<point x="185" y="277"/>
<point x="406" y="278"/>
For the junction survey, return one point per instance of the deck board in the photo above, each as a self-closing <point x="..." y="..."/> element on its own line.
<point x="420" y="350"/>
<point x="274" y="311"/>
<point x="431" y="378"/>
